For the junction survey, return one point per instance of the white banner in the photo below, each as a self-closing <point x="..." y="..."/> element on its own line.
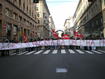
<point x="9" y="46"/>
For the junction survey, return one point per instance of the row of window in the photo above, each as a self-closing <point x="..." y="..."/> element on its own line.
<point x="91" y="12"/>
<point x="25" y="7"/>
<point x="17" y="17"/>
<point x="95" y="24"/>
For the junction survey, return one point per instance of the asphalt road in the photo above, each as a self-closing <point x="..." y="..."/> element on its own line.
<point x="75" y="66"/>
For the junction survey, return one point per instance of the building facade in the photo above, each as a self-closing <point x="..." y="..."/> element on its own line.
<point x="51" y="26"/>
<point x="103" y="13"/>
<point x="43" y="19"/>
<point x="18" y="20"/>
<point x="89" y="19"/>
<point x="68" y="26"/>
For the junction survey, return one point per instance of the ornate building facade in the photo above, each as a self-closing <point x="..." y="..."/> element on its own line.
<point x="18" y="20"/>
<point x="43" y="19"/>
<point x="89" y="19"/>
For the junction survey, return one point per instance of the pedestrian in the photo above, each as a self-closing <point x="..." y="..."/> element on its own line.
<point x="6" y="40"/>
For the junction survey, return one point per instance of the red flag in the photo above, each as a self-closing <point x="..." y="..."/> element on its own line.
<point x="53" y="30"/>
<point x="55" y="34"/>
<point x="80" y="36"/>
<point x="25" y="37"/>
<point x="76" y="34"/>
<point x="65" y="36"/>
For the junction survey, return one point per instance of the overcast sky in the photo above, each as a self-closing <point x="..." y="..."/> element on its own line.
<point x="61" y="10"/>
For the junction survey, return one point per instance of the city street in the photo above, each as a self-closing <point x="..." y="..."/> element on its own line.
<point x="52" y="39"/>
<point x="54" y="64"/>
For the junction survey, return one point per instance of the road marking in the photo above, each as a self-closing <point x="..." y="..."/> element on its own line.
<point x="55" y="52"/>
<point x="80" y="52"/>
<point x="89" y="52"/>
<point x="71" y="51"/>
<point x="30" y="53"/>
<point x="47" y="51"/>
<point x="38" y="52"/>
<point x="61" y="70"/>
<point x="97" y="52"/>
<point x="12" y="54"/>
<point x="22" y="53"/>
<point x="101" y="51"/>
<point x="63" y="51"/>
